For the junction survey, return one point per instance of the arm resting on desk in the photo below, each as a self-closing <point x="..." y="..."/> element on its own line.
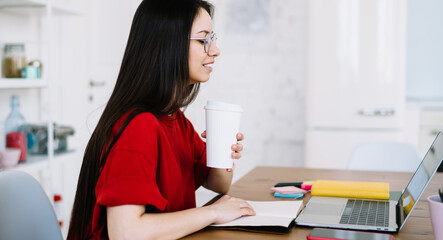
<point x="131" y="221"/>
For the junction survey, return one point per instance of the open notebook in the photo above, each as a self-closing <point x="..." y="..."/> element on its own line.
<point x="271" y="216"/>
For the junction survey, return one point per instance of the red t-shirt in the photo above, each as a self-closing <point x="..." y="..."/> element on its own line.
<point x="158" y="161"/>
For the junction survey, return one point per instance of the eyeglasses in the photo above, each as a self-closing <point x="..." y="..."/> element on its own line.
<point x="207" y="40"/>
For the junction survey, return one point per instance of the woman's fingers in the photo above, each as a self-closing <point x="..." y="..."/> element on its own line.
<point x="236" y="155"/>
<point x="229" y="208"/>
<point x="247" y="212"/>
<point x="242" y="203"/>
<point x="231" y="169"/>
<point x="240" y="137"/>
<point x="245" y="208"/>
<point x="237" y="147"/>
<point x="249" y="206"/>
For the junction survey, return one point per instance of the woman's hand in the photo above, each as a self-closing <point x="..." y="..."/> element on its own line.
<point x="228" y="208"/>
<point x="236" y="148"/>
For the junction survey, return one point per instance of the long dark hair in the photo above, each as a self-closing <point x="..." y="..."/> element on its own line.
<point x="154" y="77"/>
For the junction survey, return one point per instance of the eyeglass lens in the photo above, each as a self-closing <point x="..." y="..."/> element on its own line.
<point x="209" y="38"/>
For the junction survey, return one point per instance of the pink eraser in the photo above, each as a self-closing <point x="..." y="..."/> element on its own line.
<point x="288" y="190"/>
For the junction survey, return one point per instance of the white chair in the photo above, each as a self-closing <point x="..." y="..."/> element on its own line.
<point x="25" y="210"/>
<point x="385" y="156"/>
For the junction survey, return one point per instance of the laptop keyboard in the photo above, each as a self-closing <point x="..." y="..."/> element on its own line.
<point x="366" y="212"/>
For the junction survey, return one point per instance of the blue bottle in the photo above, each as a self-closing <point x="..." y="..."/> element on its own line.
<point x="15" y="129"/>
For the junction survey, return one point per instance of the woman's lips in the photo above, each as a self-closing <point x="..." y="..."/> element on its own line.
<point x="208" y="67"/>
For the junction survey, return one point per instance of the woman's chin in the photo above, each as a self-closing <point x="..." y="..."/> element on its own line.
<point x="199" y="81"/>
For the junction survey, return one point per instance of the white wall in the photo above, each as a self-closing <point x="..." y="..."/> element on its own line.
<point x="262" y="68"/>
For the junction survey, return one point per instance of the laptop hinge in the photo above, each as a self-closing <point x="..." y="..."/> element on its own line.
<point x="399" y="214"/>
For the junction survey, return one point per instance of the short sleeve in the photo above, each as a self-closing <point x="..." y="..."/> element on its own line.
<point x="129" y="174"/>
<point x="127" y="179"/>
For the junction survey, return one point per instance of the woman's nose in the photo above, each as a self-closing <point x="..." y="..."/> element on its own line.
<point x="214" y="51"/>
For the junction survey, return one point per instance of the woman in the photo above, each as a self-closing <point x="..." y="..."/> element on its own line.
<point x="144" y="160"/>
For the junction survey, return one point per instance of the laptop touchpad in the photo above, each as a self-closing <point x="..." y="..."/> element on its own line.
<point x="324" y="209"/>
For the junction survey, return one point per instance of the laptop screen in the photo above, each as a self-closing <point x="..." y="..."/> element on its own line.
<point x="421" y="178"/>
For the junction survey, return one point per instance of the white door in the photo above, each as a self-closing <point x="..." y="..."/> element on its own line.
<point x="355" y="76"/>
<point x="110" y="23"/>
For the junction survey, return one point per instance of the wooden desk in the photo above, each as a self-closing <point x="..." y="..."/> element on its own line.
<point x="255" y="186"/>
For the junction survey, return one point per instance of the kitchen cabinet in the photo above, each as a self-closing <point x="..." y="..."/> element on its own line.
<point x="424" y="51"/>
<point x="32" y="22"/>
<point x="431" y="123"/>
<point x="355" y="77"/>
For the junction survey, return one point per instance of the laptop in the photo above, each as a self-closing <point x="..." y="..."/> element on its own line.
<point x="370" y="214"/>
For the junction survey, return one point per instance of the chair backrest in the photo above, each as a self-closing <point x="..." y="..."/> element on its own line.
<point x="25" y="210"/>
<point x="385" y="156"/>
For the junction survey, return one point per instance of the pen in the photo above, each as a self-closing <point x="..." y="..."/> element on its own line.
<point x="306" y="185"/>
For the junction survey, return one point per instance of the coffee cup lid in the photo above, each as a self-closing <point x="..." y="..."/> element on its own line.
<point x="215" y="105"/>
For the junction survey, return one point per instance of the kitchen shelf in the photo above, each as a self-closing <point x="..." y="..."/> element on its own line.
<point x="37" y="7"/>
<point x="16" y="83"/>
<point x="35" y="162"/>
<point x="42" y="17"/>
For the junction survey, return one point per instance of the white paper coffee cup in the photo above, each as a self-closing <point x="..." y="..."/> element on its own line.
<point x="222" y="125"/>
